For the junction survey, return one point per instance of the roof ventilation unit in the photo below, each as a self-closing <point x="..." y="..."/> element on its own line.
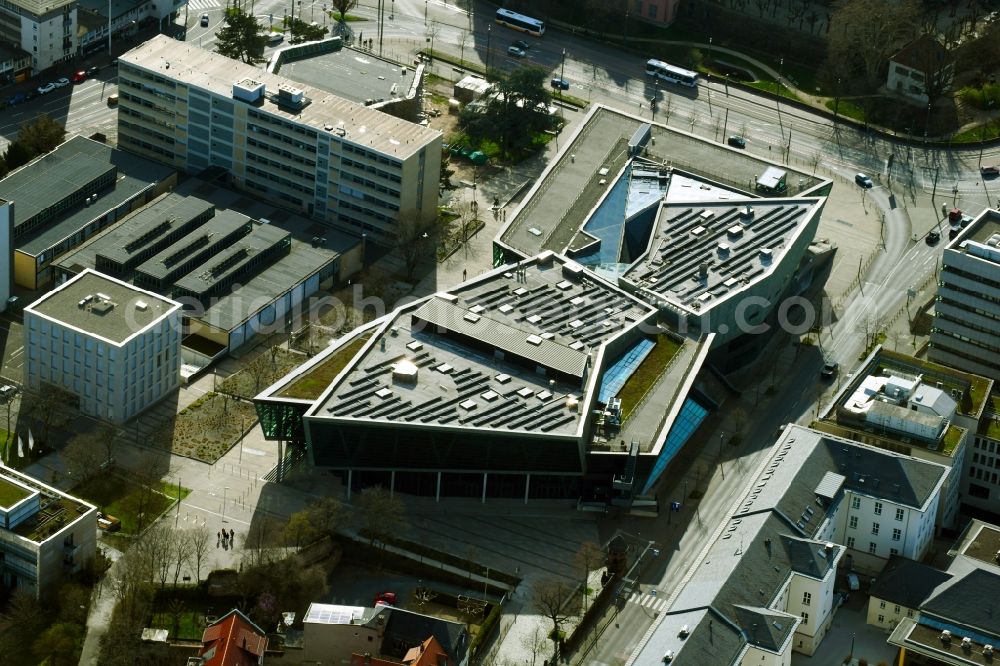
<point x="946" y="636"/>
<point x="405" y="372"/>
<point x="141" y="305"/>
<point x="987" y="650"/>
<point x="766" y="255"/>
<point x="967" y="643"/>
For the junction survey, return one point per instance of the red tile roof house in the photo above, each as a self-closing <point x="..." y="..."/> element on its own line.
<point x="233" y="640"/>
<point x="428" y="653"/>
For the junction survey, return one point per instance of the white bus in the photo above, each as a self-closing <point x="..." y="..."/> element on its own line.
<point x="521" y="22"/>
<point x="671" y="74"/>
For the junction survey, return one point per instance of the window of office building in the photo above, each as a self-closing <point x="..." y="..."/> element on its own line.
<point x="855" y="502"/>
<point x="899" y="514"/>
<point x="872" y="547"/>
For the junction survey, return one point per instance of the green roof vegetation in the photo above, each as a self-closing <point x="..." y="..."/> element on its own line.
<point x="990" y="426"/>
<point x="647" y="374"/>
<point x="310" y="385"/>
<point x="59" y="513"/>
<point x="973" y="387"/>
<point x="952" y="436"/>
<point x="11" y="493"/>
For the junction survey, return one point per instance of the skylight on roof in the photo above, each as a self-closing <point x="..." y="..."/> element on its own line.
<point x="534" y="340"/>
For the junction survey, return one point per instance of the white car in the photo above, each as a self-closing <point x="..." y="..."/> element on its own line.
<point x="47" y="88"/>
<point x="516" y="51"/>
<point x="61" y="82"/>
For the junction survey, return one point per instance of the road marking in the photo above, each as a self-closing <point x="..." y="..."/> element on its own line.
<point x="648" y="601"/>
<point x="203" y="4"/>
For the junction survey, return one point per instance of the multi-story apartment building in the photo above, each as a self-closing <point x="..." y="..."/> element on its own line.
<point x="113" y="346"/>
<point x="15" y="64"/>
<point x="765" y="586"/>
<point x="966" y="331"/>
<point x="309" y="150"/>
<point x="920" y="409"/>
<point x="45" y="534"/>
<point x="45" y="29"/>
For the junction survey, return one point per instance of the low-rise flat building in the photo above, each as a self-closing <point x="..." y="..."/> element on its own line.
<point x="765" y="586"/>
<point x="66" y="196"/>
<point x="46" y="536"/>
<point x="114" y="347"/>
<point x="306" y="149"/>
<point x="502" y="386"/>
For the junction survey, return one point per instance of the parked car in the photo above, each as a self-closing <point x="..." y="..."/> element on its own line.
<point x="275" y="38"/>
<point x="863" y="180"/>
<point x="45" y="89"/>
<point x="989" y="171"/>
<point x="204" y="20"/>
<point x="830" y="368"/>
<point x="521" y="44"/>
<point x="932" y="238"/>
<point x="17" y="99"/>
<point x="560" y="84"/>
<point x="92" y="71"/>
<point x="113" y="100"/>
<point x="515" y="51"/>
<point x="61" y="82"/>
<point x="78" y="77"/>
<point x="385" y="599"/>
<point x="737" y="141"/>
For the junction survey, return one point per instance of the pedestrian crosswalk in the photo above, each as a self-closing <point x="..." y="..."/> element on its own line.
<point x="199" y="5"/>
<point x="651" y="601"/>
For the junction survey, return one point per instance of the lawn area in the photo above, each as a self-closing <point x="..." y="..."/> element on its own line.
<point x="11" y="494"/>
<point x="190" y="625"/>
<point x="267" y="368"/>
<point x="207" y="428"/>
<point x="951" y="439"/>
<point x="313" y="383"/>
<point x="646" y="375"/>
<point x="125" y="499"/>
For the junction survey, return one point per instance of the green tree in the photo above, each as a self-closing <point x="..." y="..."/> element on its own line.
<point x="41" y="135"/>
<point x="302" y="31"/>
<point x="242" y="37"/>
<point x="515" y="114"/>
<point x="382" y="515"/>
<point x="342" y="7"/>
<point x="59" y="644"/>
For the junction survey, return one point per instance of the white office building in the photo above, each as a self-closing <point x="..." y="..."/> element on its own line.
<point x="303" y="148"/>
<point x="115" y="347"/>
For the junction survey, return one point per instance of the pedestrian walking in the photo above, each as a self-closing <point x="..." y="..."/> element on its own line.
<point x="464" y="274"/>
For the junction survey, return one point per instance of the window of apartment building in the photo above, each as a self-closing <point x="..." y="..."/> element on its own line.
<point x="909" y="612"/>
<point x="899" y="514"/>
<point x="881" y="604"/>
<point x="855" y="502"/>
<point x="896" y="533"/>
<point x="806" y="598"/>
<point x="875" y="527"/>
<point x="850" y="542"/>
<point x="872" y="547"/>
<point x="853" y="522"/>
<point x="805" y="619"/>
<point x="897" y="609"/>
<point x="878" y="508"/>
<point x="894" y="551"/>
<point x="881" y="618"/>
<point x="651" y="11"/>
<point x="975" y="457"/>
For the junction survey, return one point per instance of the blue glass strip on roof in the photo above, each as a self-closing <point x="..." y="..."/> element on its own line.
<point x="606" y="223"/>
<point x="687" y="421"/>
<point x="960" y="631"/>
<point x="618" y="374"/>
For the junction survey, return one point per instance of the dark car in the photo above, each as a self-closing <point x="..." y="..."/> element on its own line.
<point x="92" y="71"/>
<point x="78" y="77"/>
<point x="863" y="180"/>
<point x="737" y="141"/>
<point x="559" y="84"/>
<point x="989" y="171"/>
<point x="932" y="238"/>
<point x="521" y="44"/>
<point x="830" y="368"/>
<point x="17" y="99"/>
<point x="204" y="20"/>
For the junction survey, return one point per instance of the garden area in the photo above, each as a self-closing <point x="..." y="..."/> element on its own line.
<point x="268" y="367"/>
<point x="207" y="428"/>
<point x="310" y="385"/>
<point x="647" y="374"/>
<point x="137" y="505"/>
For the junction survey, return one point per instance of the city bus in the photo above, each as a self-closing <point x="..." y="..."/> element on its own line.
<point x="521" y="22"/>
<point x="671" y="74"/>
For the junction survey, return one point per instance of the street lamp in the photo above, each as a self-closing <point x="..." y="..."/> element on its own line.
<point x="562" y="71"/>
<point x="489" y="32"/>
<point x="224" y="493"/>
<point x="710" y="49"/>
<point x="927" y="122"/>
<point x="722" y="467"/>
<point x="836" y="100"/>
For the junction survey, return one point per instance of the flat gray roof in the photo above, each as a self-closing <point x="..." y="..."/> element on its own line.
<point x="699" y="253"/>
<point x="586" y="169"/>
<point x="477" y="350"/>
<point x="70" y="166"/>
<point x="224" y="223"/>
<point x="149" y="224"/>
<point x="355" y="75"/>
<point x="116" y="319"/>
<point x="203" y="278"/>
<point x="199" y="68"/>
<point x="295" y="267"/>
<point x="984" y="234"/>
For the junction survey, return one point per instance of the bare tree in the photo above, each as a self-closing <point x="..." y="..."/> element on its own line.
<point x="201" y="542"/>
<point x="182" y="551"/>
<point x="423" y="595"/>
<point x="549" y="598"/>
<point x="417" y="239"/>
<point x="382" y="515"/>
<point x="9" y="404"/>
<point x="258" y="544"/>
<point x="533" y="643"/>
<point x="869" y="31"/>
<point x="463" y="41"/>
<point x="587" y="558"/>
<point x="51" y="408"/>
<point x="83" y="457"/>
